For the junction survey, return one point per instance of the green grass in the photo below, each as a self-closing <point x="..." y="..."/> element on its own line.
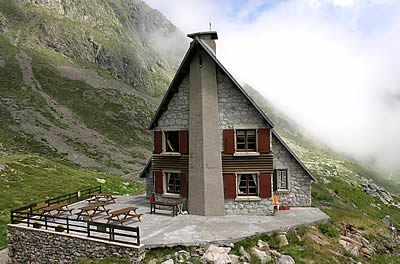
<point x="29" y="178"/>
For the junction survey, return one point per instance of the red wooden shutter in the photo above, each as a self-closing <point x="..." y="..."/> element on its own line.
<point x="229" y="141"/>
<point x="184" y="184"/>
<point x="157" y="142"/>
<point x="263" y="140"/>
<point x="230" y="185"/>
<point x="158" y="182"/>
<point x="184" y="142"/>
<point x="265" y="185"/>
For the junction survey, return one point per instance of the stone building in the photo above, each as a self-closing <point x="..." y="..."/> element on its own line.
<point x="215" y="148"/>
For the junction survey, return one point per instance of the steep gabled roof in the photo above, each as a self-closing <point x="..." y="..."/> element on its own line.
<point x="184" y="69"/>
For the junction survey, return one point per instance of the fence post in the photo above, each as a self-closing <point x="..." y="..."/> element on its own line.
<point x="88" y="229"/>
<point x="100" y="188"/>
<point x="45" y="221"/>
<point x="28" y="219"/>
<point x="67" y="225"/>
<point x="138" y="236"/>
<point x="12" y="216"/>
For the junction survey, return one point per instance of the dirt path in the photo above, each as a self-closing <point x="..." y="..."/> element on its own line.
<point x="4" y="256"/>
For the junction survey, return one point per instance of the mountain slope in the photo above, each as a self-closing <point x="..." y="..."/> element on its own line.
<point x="80" y="79"/>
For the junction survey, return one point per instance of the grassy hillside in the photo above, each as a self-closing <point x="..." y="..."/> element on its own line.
<point x="80" y="80"/>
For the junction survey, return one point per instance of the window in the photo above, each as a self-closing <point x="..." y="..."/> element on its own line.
<point x="282" y="179"/>
<point x="246" y="140"/>
<point x="171" y="141"/>
<point x="173" y="182"/>
<point x="247" y="184"/>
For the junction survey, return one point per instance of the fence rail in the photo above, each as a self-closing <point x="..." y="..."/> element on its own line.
<point x="67" y="198"/>
<point x="122" y="234"/>
<point x="31" y="216"/>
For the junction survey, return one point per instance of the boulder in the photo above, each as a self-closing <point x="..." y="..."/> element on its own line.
<point x="262" y="256"/>
<point x="182" y="255"/>
<point x="153" y="261"/>
<point x="215" y="254"/>
<point x="262" y="245"/>
<point x="286" y="259"/>
<point x="317" y="239"/>
<point x="2" y="167"/>
<point x="170" y="261"/>
<point x="283" y="240"/>
<point x="274" y="253"/>
<point x="234" y="259"/>
<point x="245" y="257"/>
<point x="352" y="248"/>
<point x="99" y="180"/>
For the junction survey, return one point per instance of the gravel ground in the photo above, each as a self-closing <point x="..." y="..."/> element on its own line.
<point x="4" y="256"/>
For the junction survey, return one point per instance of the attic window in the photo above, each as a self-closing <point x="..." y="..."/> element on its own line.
<point x="171" y="141"/>
<point x="246" y="140"/>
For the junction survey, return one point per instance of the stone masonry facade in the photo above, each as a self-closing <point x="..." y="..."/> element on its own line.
<point x="299" y="182"/>
<point x="31" y="246"/>
<point x="261" y="207"/>
<point x="177" y="114"/>
<point x="235" y="111"/>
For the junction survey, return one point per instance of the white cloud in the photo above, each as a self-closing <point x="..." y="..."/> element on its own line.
<point x="332" y="65"/>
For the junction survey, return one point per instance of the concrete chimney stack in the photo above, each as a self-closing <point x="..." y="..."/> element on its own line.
<point x="208" y="37"/>
<point x="206" y="191"/>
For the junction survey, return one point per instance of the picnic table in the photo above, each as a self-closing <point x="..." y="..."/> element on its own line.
<point x="101" y="197"/>
<point x="57" y="208"/>
<point x="123" y="215"/>
<point x="176" y="206"/>
<point x="92" y="210"/>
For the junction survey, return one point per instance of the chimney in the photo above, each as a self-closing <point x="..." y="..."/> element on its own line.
<point x="206" y="190"/>
<point x="208" y="37"/>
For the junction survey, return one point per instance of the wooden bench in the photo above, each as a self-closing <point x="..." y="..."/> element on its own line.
<point x="123" y="215"/>
<point x="93" y="210"/>
<point x="57" y="208"/>
<point x="101" y="197"/>
<point x="176" y="206"/>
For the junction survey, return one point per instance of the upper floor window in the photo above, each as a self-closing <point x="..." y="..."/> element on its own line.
<point x="282" y="179"/>
<point x="247" y="184"/>
<point x="172" y="141"/>
<point x="246" y="140"/>
<point x="173" y="182"/>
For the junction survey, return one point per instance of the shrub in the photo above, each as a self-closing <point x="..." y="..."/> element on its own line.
<point x="329" y="229"/>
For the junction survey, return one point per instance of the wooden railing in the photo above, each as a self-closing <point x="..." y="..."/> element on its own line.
<point x="109" y="232"/>
<point x="67" y="198"/>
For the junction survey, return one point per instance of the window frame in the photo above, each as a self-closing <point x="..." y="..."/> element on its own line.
<point x="164" y="143"/>
<point x="165" y="183"/>
<point x="246" y="150"/>
<point x="248" y="174"/>
<point x="279" y="180"/>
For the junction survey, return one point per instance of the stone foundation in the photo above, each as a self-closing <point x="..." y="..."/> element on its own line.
<point x="37" y="246"/>
<point x="262" y="207"/>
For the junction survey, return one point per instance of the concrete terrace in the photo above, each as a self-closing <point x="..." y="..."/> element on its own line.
<point x="163" y="230"/>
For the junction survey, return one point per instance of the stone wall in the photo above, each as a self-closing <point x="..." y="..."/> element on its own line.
<point x="262" y="207"/>
<point x="299" y="181"/>
<point x="149" y="183"/>
<point x="177" y="114"/>
<point x="37" y="246"/>
<point x="235" y="111"/>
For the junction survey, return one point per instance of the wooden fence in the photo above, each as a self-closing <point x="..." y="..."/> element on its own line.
<point x="31" y="216"/>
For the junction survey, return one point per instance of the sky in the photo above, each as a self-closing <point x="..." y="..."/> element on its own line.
<point x="331" y="65"/>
